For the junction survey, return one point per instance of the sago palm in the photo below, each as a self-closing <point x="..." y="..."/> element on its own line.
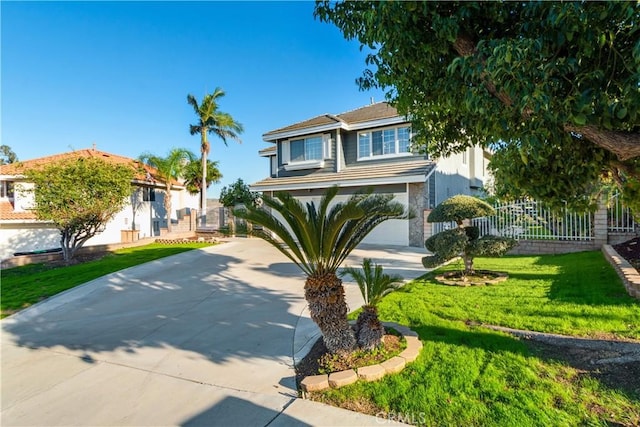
<point x="374" y="284"/>
<point x="211" y="120"/>
<point x="318" y="239"/>
<point x="169" y="169"/>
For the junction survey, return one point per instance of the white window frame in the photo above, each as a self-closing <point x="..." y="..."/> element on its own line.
<point x="396" y="143"/>
<point x="306" y="164"/>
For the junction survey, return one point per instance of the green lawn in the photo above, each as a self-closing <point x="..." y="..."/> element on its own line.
<point x="473" y="376"/>
<point x="23" y="286"/>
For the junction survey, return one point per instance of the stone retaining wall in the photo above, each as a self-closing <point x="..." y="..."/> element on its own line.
<point x="368" y="373"/>
<point x="629" y="275"/>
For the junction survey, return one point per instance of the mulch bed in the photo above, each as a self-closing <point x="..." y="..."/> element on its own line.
<point x="313" y="361"/>
<point x="630" y="250"/>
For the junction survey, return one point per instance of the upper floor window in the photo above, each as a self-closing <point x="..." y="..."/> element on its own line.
<point x="385" y="142"/>
<point x="305" y="149"/>
<point x="6" y="189"/>
<point x="148" y="195"/>
<point x="305" y="153"/>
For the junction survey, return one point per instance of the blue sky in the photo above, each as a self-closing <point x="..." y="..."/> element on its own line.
<point x="117" y="74"/>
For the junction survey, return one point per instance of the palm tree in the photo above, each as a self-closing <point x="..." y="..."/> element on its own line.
<point x="318" y="240"/>
<point x="373" y="284"/>
<point x="211" y="120"/>
<point x="193" y="175"/>
<point x="169" y="169"/>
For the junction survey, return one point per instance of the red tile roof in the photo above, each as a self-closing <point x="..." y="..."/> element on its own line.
<point x="18" y="168"/>
<point x="7" y="212"/>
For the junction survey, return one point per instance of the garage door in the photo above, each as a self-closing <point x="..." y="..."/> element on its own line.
<point x="391" y="232"/>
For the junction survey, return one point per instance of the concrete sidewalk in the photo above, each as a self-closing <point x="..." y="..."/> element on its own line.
<point x="201" y="338"/>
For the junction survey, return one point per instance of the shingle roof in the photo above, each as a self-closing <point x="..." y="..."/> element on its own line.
<point x="409" y="171"/>
<point x="7" y="212"/>
<point x="18" y="168"/>
<point x="269" y="151"/>
<point x="377" y="111"/>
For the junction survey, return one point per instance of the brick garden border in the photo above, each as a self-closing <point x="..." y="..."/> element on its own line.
<point x="368" y="373"/>
<point x="629" y="275"/>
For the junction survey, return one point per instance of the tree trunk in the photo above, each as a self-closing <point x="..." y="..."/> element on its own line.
<point x="204" y="149"/>
<point x="625" y="145"/>
<point x="369" y="330"/>
<point x="167" y="206"/>
<point x="328" y="308"/>
<point x="468" y="264"/>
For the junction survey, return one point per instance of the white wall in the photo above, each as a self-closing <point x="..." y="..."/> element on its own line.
<point x="27" y="236"/>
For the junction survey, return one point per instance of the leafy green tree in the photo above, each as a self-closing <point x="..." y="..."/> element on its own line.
<point x="463" y="241"/>
<point x="552" y="87"/>
<point x="193" y="175"/>
<point x="80" y="196"/>
<point x="7" y="155"/>
<point x="211" y="120"/>
<point x="237" y="193"/>
<point x="169" y="169"/>
<point x="318" y="239"/>
<point x="374" y="284"/>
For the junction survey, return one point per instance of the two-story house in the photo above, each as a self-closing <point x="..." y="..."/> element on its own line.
<point x="144" y="215"/>
<point x="369" y="147"/>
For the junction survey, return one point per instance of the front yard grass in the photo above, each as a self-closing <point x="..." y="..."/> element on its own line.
<point x="469" y="375"/>
<point x="23" y="286"/>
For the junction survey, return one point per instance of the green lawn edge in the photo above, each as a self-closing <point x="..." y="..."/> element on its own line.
<point x="21" y="287"/>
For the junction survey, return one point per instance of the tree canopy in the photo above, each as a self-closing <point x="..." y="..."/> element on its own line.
<point x="80" y="196"/>
<point x="169" y="168"/>
<point x="7" y="155"/>
<point x="237" y="193"/>
<point x="552" y="87"/>
<point x="211" y="120"/>
<point x="193" y="175"/>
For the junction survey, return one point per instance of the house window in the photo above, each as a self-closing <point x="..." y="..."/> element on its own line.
<point x="306" y="149"/>
<point x="308" y="152"/>
<point x="148" y="195"/>
<point x="385" y="142"/>
<point x="6" y="189"/>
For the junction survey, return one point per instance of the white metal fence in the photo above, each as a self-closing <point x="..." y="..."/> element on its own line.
<point x="530" y="220"/>
<point x="619" y="217"/>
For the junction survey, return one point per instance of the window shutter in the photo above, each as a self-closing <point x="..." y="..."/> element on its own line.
<point x="326" y="145"/>
<point x="285" y="152"/>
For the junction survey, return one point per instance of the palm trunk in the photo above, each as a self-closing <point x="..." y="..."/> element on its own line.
<point x="204" y="149"/>
<point x="167" y="207"/>
<point x="468" y="264"/>
<point x="328" y="308"/>
<point x="369" y="330"/>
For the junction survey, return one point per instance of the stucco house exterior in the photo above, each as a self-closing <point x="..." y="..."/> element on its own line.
<point x="143" y="216"/>
<point x="369" y="147"/>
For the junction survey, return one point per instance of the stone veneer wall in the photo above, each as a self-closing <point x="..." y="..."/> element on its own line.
<point x="417" y="201"/>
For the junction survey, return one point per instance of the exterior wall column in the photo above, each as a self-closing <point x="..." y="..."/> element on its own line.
<point x="416" y="196"/>
<point x="600" y="224"/>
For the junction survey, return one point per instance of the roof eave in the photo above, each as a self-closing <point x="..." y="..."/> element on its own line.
<point x="362" y="182"/>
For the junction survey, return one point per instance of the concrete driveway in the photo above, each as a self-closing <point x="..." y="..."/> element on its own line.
<point x="205" y="337"/>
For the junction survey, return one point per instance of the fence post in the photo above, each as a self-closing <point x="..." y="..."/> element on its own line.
<point x="600" y="225"/>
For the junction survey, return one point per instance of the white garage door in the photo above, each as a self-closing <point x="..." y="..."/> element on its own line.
<point x="391" y="232"/>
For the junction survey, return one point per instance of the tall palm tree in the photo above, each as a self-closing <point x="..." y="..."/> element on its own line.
<point x="193" y="175"/>
<point x="374" y="284"/>
<point x="169" y="169"/>
<point x="211" y="120"/>
<point x="318" y="239"/>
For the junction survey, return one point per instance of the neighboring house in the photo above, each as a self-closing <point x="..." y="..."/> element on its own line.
<point x="369" y="146"/>
<point x="144" y="215"/>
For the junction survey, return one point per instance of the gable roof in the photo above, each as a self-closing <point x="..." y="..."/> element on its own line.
<point x="355" y="176"/>
<point x="143" y="172"/>
<point x="380" y="113"/>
